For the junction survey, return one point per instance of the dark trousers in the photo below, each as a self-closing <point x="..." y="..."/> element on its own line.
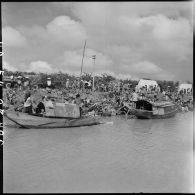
<point x="28" y="109"/>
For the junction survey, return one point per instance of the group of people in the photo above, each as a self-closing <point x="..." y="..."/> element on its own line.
<point x="28" y="104"/>
<point x="47" y="102"/>
<point x="112" y="98"/>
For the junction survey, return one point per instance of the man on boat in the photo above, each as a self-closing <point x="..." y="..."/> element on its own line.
<point x="40" y="109"/>
<point x="77" y="100"/>
<point x="27" y="103"/>
<point x="134" y="98"/>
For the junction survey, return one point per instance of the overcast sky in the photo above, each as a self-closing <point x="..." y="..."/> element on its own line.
<point x="130" y="39"/>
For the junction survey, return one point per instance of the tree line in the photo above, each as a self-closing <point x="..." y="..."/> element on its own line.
<point x="59" y="79"/>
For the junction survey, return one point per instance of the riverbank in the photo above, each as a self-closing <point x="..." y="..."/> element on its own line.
<point x="99" y="103"/>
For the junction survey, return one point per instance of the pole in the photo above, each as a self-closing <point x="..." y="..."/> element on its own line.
<point x="93" y="57"/>
<point x="46" y="79"/>
<point x="83" y="58"/>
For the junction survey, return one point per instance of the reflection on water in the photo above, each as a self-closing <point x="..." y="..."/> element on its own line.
<point x="126" y="156"/>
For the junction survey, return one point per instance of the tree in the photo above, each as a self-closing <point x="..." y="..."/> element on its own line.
<point x="86" y="77"/>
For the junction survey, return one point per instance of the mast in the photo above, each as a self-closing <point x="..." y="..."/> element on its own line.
<point x="83" y="59"/>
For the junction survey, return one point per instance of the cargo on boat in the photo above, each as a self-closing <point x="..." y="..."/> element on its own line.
<point x="34" y="121"/>
<point x="62" y="110"/>
<point x="154" y="110"/>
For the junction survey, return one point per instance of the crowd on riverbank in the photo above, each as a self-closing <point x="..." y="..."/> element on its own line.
<point x="106" y="101"/>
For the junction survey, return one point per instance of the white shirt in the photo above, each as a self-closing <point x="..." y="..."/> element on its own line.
<point x="28" y="102"/>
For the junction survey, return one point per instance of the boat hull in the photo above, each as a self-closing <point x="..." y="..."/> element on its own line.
<point x="30" y="121"/>
<point x="144" y="114"/>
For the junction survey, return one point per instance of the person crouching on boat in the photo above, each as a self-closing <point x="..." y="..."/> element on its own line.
<point x="40" y="109"/>
<point x="28" y="103"/>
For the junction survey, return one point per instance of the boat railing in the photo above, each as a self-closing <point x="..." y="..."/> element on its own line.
<point x="143" y="110"/>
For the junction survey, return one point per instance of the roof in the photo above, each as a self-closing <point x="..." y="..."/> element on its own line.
<point x="184" y="86"/>
<point x="144" y="82"/>
<point x="162" y="104"/>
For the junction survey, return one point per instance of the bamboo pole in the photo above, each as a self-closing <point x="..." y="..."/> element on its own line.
<point x="83" y="58"/>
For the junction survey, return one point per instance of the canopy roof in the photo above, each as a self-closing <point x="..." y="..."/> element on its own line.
<point x="184" y="86"/>
<point x="148" y="83"/>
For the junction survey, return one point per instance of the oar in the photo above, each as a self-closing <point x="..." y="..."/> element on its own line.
<point x="15" y="121"/>
<point x="45" y="124"/>
<point x="107" y="123"/>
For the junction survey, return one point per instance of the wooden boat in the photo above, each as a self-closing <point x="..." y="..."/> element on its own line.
<point x="154" y="110"/>
<point x="29" y="121"/>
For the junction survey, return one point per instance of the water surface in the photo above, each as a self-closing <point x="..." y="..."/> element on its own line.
<point x="127" y="156"/>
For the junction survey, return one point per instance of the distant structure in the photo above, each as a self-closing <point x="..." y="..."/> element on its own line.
<point x="16" y="81"/>
<point x="9" y="82"/>
<point x="147" y="83"/>
<point x="185" y="87"/>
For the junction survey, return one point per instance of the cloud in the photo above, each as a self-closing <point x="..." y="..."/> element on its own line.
<point x="146" y="68"/>
<point x="71" y="60"/>
<point x="66" y="31"/>
<point x="125" y="37"/>
<point x="7" y="66"/>
<point x="130" y="9"/>
<point x="41" y="67"/>
<point x="166" y="29"/>
<point x="13" y="38"/>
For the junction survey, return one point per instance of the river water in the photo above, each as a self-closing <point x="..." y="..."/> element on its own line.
<point x="123" y="155"/>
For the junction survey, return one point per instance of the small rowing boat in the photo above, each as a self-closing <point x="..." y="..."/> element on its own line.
<point x="33" y="121"/>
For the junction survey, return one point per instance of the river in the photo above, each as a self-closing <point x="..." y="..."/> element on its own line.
<point x="123" y="155"/>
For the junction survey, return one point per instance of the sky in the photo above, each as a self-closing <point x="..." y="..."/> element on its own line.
<point x="131" y="40"/>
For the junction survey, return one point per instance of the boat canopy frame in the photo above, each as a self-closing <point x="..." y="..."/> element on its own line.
<point x="144" y="105"/>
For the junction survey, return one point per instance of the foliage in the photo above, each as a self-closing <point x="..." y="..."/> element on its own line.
<point x="59" y="79"/>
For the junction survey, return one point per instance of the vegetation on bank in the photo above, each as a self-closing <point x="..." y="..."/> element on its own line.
<point x="59" y="79"/>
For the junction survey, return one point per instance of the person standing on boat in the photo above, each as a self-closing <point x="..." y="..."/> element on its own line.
<point x="134" y="98"/>
<point x="27" y="103"/>
<point x="77" y="100"/>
